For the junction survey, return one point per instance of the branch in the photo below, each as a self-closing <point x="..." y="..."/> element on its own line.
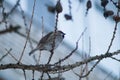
<point x="115" y="4"/>
<point x="24" y="74"/>
<point x="66" y="57"/>
<point x="82" y="76"/>
<point x="58" y="8"/>
<point x="113" y="37"/>
<point x="6" y="15"/>
<point x="5" y="55"/>
<point x="116" y="59"/>
<point x="10" y="29"/>
<point x="31" y="20"/>
<point x="54" y="69"/>
<point x="8" y="51"/>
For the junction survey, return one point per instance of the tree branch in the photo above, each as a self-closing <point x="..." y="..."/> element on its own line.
<point x="51" y="68"/>
<point x="10" y="29"/>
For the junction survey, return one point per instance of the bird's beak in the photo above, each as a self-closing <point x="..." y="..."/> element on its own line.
<point x="64" y="33"/>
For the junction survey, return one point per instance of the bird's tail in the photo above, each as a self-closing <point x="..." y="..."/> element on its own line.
<point x="32" y="51"/>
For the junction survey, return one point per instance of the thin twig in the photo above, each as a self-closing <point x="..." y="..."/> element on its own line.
<point x="35" y="59"/>
<point x="30" y="42"/>
<point x="114" y="34"/>
<point x="50" y="56"/>
<point x="109" y="47"/>
<point x="11" y="55"/>
<point x="115" y="4"/>
<point x="87" y="77"/>
<point x="82" y="71"/>
<point x="89" y="46"/>
<point x="24" y="36"/>
<point x="39" y="58"/>
<point x="51" y="68"/>
<point x="42" y="26"/>
<point x="10" y="29"/>
<point x="12" y="10"/>
<point x="49" y="76"/>
<point x="66" y="57"/>
<point x="113" y="37"/>
<point x="24" y="74"/>
<point x="25" y="23"/>
<point x="15" y="6"/>
<point x="53" y="45"/>
<point x="59" y="73"/>
<point x="42" y="37"/>
<point x="33" y="73"/>
<point x="31" y="20"/>
<point x="23" y="15"/>
<point x="5" y="55"/>
<point x="90" y="70"/>
<point x="70" y="9"/>
<point x="99" y="58"/>
<point x="41" y="78"/>
<point x="108" y="75"/>
<point x="115" y="59"/>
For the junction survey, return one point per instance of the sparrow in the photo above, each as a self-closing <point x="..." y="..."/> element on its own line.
<point x="46" y="43"/>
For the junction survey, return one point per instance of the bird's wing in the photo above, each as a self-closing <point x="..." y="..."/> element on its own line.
<point x="44" y="39"/>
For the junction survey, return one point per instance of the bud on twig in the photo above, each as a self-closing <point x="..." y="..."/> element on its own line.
<point x="116" y="18"/>
<point x="108" y="13"/>
<point x="51" y="8"/>
<point x="1" y="2"/>
<point x="68" y="17"/>
<point x="58" y="7"/>
<point x="104" y="3"/>
<point x="89" y="5"/>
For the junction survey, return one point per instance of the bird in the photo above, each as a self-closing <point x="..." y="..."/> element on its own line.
<point x="46" y="43"/>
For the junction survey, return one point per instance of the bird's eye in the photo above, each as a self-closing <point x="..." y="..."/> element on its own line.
<point x="62" y="35"/>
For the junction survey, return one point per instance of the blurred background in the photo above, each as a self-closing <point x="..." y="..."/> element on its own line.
<point x="72" y="21"/>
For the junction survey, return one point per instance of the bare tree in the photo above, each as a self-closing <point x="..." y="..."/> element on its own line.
<point x="58" y="67"/>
